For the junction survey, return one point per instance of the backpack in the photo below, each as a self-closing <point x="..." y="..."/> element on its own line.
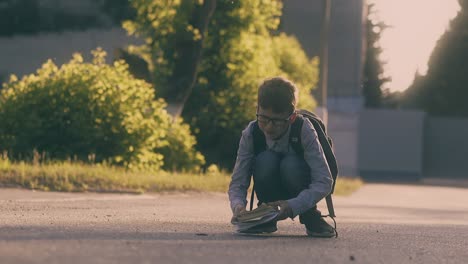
<point x="295" y="142"/>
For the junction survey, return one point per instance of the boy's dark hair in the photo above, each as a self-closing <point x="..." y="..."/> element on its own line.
<point x="278" y="94"/>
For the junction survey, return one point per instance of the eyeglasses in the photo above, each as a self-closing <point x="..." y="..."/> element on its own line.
<point x="264" y="120"/>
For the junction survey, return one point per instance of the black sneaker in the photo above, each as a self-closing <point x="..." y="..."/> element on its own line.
<point x="269" y="227"/>
<point x="315" y="225"/>
<point x="320" y="229"/>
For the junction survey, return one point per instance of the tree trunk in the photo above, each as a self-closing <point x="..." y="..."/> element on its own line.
<point x="186" y="66"/>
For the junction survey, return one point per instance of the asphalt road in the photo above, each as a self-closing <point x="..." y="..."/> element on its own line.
<point x="378" y="224"/>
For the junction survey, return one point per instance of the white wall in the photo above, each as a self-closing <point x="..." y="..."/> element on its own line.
<point x="390" y="144"/>
<point x="446" y="147"/>
<point x="387" y="145"/>
<point x="343" y="128"/>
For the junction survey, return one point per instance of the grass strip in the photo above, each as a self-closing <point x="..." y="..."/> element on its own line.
<point x="76" y="177"/>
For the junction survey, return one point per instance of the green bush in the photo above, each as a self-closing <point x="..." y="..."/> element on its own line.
<point x="179" y="153"/>
<point x="89" y="110"/>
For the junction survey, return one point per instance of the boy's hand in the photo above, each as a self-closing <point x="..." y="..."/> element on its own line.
<point x="238" y="210"/>
<point x="285" y="210"/>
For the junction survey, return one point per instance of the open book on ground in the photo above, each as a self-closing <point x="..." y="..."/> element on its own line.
<point x="262" y="214"/>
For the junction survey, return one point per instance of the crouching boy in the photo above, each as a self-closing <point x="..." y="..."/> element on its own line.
<point x="292" y="182"/>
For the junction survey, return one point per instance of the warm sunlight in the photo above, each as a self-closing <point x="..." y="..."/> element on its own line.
<point x="416" y="26"/>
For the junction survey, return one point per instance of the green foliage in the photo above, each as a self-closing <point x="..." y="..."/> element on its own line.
<point x="442" y="91"/>
<point x="239" y="54"/>
<point x="179" y="153"/>
<point x="294" y="65"/>
<point x="89" y="111"/>
<point x="161" y="24"/>
<point x="373" y="68"/>
<point x="240" y="50"/>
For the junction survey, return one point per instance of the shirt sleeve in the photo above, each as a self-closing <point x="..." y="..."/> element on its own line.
<point x="321" y="181"/>
<point x="242" y="172"/>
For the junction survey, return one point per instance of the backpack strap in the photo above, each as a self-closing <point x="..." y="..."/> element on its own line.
<point x="325" y="142"/>
<point x="259" y="145"/>
<point x="259" y="140"/>
<point x="295" y="136"/>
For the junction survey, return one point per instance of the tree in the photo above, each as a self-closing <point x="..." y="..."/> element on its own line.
<point x="189" y="55"/>
<point x="374" y="78"/>
<point x="240" y="49"/>
<point x="442" y="91"/>
<point x="174" y="32"/>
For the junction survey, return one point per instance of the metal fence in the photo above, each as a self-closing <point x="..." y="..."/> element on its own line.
<point x="400" y="145"/>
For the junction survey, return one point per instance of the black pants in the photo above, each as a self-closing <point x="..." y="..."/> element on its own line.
<point x="281" y="177"/>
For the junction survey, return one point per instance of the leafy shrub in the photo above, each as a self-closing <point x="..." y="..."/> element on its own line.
<point x="89" y="109"/>
<point x="179" y="153"/>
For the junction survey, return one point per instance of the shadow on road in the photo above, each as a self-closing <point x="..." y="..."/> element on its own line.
<point x="25" y="233"/>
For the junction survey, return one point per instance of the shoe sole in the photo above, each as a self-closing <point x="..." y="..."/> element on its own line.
<point x="321" y="235"/>
<point x="259" y="231"/>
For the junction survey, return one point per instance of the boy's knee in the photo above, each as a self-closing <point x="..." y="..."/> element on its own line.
<point x="268" y="157"/>
<point x="266" y="164"/>
<point x="295" y="173"/>
<point x="293" y="165"/>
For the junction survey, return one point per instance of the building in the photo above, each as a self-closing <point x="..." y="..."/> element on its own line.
<point x="303" y="18"/>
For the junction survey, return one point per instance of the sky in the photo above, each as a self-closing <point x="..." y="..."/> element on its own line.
<point x="416" y="26"/>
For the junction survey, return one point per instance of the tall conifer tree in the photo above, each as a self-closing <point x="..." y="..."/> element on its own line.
<point x="443" y="91"/>
<point x="373" y="68"/>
